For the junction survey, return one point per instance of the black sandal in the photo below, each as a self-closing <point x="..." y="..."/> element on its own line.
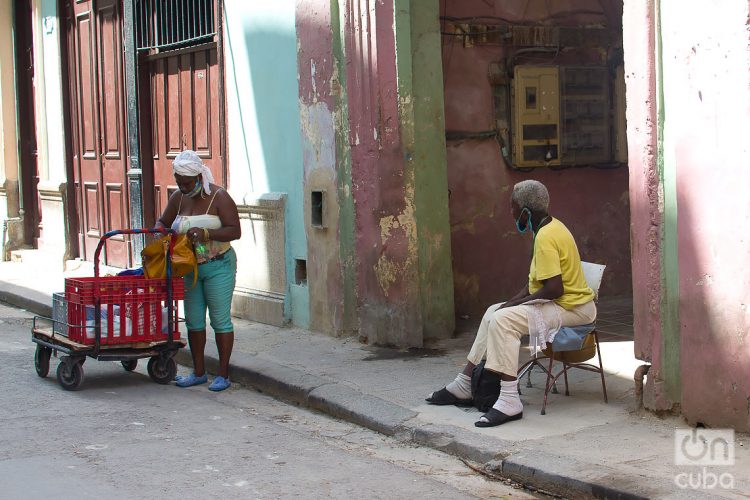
<point x="496" y="417"/>
<point x="445" y="397"/>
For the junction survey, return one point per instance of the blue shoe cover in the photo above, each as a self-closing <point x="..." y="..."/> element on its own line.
<point x="191" y="380"/>
<point x="219" y="384"/>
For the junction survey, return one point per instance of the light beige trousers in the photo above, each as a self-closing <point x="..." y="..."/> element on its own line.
<point x="499" y="335"/>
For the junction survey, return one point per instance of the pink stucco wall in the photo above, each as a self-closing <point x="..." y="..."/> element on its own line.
<point x="490" y="258"/>
<point x="387" y="282"/>
<point x="706" y="63"/>
<point x="639" y="43"/>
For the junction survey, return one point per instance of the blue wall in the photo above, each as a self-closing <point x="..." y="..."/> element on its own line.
<point x="263" y="121"/>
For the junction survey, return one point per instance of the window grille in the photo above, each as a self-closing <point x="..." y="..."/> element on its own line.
<point x="171" y="24"/>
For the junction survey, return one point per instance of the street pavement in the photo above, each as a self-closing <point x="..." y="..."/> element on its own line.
<point x="581" y="448"/>
<point x="126" y="437"/>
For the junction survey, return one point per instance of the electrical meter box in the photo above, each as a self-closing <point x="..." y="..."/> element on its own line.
<point x="536" y="116"/>
<point x="561" y="116"/>
<point x="585" y="115"/>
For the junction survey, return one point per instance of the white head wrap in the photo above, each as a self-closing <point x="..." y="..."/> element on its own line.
<point x="189" y="164"/>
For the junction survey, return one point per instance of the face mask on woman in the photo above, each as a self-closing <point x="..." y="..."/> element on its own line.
<point x="196" y="190"/>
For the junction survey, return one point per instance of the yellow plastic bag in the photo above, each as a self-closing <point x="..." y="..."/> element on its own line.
<point x="154" y="258"/>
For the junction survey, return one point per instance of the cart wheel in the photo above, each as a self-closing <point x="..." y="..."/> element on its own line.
<point x="70" y="374"/>
<point x="161" y="370"/>
<point x="41" y="360"/>
<point x="129" y="365"/>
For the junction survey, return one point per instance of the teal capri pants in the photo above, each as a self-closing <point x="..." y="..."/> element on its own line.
<point x="213" y="291"/>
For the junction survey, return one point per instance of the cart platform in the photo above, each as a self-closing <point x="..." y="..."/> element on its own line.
<point x="45" y="334"/>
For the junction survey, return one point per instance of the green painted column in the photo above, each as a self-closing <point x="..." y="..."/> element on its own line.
<point x="670" y="288"/>
<point x="421" y="110"/>
<point x="347" y="250"/>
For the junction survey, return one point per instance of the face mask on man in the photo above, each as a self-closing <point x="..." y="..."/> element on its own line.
<point x="527" y="225"/>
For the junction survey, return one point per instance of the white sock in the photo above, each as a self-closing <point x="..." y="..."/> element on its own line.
<point x="509" y="401"/>
<point x="460" y="387"/>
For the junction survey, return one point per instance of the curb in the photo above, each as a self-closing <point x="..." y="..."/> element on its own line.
<point x="32" y="300"/>
<point x="541" y="471"/>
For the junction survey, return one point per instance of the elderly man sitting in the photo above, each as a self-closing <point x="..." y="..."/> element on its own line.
<point x="555" y="295"/>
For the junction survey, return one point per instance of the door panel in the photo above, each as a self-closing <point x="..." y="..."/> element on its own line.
<point x="172" y="114"/>
<point x="185" y="109"/>
<point x="201" y="97"/>
<point x="86" y="82"/>
<point x="115" y="202"/>
<point x="86" y="156"/>
<point x="91" y="209"/>
<point x="110" y="84"/>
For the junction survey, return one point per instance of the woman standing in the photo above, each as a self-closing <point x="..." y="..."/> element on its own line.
<point x="208" y="215"/>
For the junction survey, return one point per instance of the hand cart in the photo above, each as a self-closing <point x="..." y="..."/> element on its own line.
<point x="114" y="318"/>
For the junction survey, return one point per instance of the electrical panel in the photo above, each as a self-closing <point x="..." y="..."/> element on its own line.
<point x="561" y="116"/>
<point x="536" y="116"/>
<point x="584" y="104"/>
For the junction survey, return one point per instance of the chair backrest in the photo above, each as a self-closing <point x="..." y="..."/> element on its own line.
<point x="593" y="274"/>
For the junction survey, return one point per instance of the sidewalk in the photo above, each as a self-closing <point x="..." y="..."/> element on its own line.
<point x="580" y="448"/>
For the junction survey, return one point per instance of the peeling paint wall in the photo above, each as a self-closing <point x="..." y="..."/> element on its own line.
<point x="706" y="69"/>
<point x="490" y="260"/>
<point x="382" y="187"/>
<point x="398" y="171"/>
<point x="322" y="98"/>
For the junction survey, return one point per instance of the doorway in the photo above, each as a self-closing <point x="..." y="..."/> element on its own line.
<point x="181" y="93"/>
<point x="24" y="44"/>
<point x="502" y="66"/>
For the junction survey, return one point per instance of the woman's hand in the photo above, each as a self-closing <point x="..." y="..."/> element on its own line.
<point x="195" y="234"/>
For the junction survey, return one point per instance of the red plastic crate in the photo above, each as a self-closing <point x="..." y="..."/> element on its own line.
<point x="132" y="308"/>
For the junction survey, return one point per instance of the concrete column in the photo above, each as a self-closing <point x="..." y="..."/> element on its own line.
<point x="646" y="195"/>
<point x="376" y="196"/>
<point x="322" y="76"/>
<point x="398" y="171"/>
<point x="9" y="142"/>
<point x="12" y="229"/>
<point x="422" y="117"/>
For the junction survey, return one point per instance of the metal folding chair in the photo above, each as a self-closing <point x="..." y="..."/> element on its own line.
<point x="570" y="359"/>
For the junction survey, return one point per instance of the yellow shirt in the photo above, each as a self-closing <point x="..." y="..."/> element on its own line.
<point x="556" y="253"/>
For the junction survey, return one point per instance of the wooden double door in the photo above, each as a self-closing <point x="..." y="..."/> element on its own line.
<point x="179" y="108"/>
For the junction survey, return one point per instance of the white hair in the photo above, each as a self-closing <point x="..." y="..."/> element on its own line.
<point x="532" y="195"/>
<point x="189" y="164"/>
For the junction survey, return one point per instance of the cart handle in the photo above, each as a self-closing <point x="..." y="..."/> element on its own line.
<point x="106" y="236"/>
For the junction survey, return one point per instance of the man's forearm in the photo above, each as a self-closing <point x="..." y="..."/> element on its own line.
<point x="544" y="293"/>
<point x="538" y="295"/>
<point x="522" y="293"/>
